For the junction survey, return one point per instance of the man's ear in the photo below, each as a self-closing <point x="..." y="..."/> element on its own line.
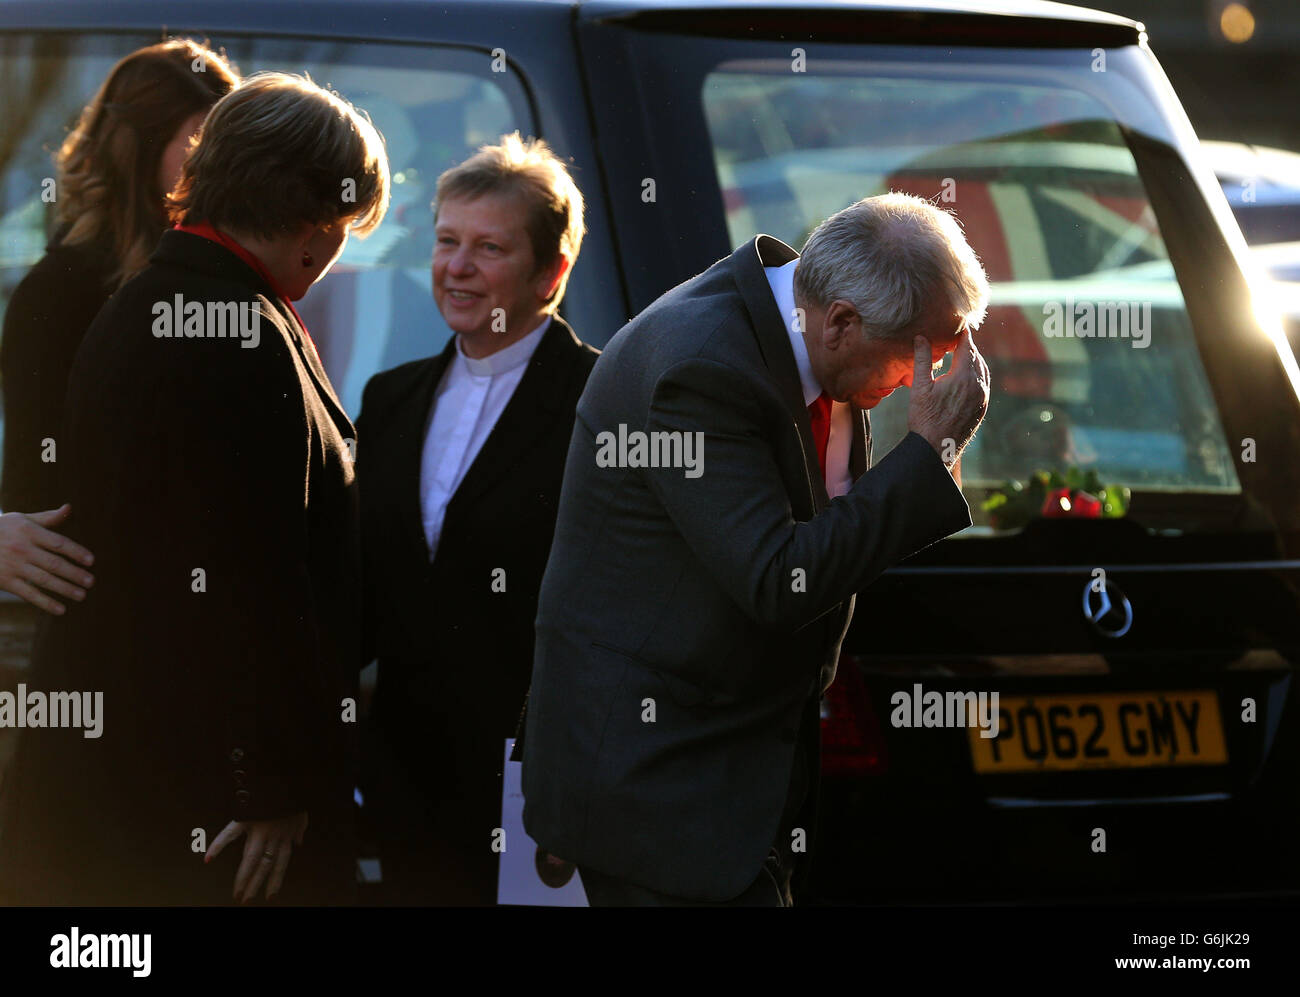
<point x="551" y="276"/>
<point x="841" y="322"/>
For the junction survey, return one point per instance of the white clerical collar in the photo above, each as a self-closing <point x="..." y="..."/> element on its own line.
<point x="515" y="355"/>
<point x="781" y="280"/>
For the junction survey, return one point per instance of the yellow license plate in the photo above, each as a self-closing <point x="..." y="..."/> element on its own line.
<point x="1101" y="731"/>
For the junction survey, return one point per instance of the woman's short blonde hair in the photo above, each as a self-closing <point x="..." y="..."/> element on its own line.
<point x="279" y="152"/>
<point x="553" y="203"/>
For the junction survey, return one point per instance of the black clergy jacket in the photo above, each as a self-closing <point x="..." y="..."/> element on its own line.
<point x="454" y="636"/>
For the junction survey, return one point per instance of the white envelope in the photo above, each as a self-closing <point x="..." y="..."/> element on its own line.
<point x="518" y="880"/>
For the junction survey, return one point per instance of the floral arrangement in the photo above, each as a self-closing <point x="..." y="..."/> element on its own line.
<point x="1074" y="494"/>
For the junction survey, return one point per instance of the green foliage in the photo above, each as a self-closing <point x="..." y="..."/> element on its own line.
<point x="1015" y="503"/>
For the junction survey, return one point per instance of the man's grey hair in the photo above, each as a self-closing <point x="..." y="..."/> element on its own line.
<point x="888" y="256"/>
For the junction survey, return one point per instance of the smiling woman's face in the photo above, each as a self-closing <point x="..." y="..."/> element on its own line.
<point x="483" y="260"/>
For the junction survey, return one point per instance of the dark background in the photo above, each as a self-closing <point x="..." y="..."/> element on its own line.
<point x="1246" y="91"/>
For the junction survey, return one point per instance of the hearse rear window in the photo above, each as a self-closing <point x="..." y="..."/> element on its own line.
<point x="1097" y="379"/>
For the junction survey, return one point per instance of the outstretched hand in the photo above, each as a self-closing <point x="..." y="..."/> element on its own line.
<point x="36" y="563"/>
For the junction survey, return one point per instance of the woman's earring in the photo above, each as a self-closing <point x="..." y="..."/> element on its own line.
<point x="307" y="261"/>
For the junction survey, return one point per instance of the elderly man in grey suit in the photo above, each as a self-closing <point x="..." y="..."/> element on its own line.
<point x="716" y="520"/>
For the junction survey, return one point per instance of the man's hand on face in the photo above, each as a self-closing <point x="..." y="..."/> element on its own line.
<point x="947" y="410"/>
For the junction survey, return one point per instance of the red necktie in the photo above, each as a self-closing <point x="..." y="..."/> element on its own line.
<point x="820" y="414"/>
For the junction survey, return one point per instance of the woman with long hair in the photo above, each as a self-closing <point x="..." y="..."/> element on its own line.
<point x="112" y="174"/>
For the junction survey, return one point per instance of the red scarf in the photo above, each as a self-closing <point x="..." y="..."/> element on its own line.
<point x="208" y="232"/>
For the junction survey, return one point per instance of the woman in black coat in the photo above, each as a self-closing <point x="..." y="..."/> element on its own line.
<point x="211" y="466"/>
<point x="111" y="175"/>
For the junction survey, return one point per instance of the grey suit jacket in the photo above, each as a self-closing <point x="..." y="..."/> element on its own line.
<point x="686" y="620"/>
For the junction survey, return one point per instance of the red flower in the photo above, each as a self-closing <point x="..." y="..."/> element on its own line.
<point x="1063" y="503"/>
<point x="1058" y="504"/>
<point x="1087" y="506"/>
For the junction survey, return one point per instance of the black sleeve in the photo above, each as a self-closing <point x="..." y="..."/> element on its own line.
<point x="44" y="324"/>
<point x="234" y="450"/>
<point x="737" y="519"/>
<point x="367" y="418"/>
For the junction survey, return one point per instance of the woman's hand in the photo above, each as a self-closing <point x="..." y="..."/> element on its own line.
<point x="33" y="557"/>
<point x="266" y="851"/>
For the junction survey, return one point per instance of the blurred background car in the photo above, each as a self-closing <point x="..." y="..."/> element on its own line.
<point x="1233" y="65"/>
<point x="1263" y="187"/>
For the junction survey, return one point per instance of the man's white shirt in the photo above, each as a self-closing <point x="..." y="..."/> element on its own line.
<point x="467" y="404"/>
<point x="839" y="479"/>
